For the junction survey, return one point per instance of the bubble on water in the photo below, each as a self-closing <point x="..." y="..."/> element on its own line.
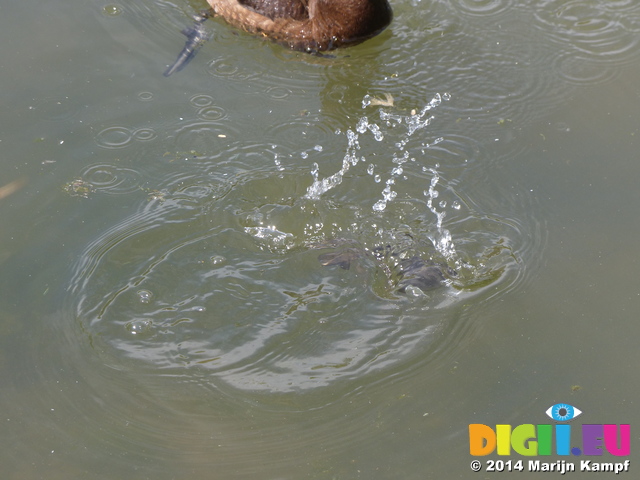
<point x="139" y="326"/>
<point x="144" y="296"/>
<point x="112" y="10"/>
<point x="217" y="260"/>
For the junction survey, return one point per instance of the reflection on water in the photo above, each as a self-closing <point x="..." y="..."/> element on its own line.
<point x="167" y="313"/>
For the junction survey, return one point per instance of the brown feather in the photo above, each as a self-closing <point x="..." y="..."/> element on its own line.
<point x="314" y="26"/>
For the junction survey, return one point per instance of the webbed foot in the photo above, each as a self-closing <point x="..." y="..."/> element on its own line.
<point x="196" y="37"/>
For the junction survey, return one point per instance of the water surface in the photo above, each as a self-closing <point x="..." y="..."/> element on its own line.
<point x="164" y="310"/>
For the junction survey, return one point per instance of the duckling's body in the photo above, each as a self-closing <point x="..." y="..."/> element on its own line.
<point x="294" y="9"/>
<point x="309" y="25"/>
<point x="409" y="272"/>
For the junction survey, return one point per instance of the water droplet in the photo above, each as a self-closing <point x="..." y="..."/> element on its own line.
<point x="380" y="205"/>
<point x="361" y="127"/>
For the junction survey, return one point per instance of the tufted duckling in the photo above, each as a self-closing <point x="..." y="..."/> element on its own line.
<point x="409" y="272"/>
<point x="306" y="25"/>
<point x="309" y="25"/>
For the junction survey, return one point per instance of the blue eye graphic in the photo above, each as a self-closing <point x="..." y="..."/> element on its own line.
<point x="563" y="412"/>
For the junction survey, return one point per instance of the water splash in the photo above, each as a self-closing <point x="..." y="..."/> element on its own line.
<point x="315" y="191"/>
<point x="232" y="290"/>
<point x="444" y="241"/>
<point x="416" y="120"/>
<point x="399" y="130"/>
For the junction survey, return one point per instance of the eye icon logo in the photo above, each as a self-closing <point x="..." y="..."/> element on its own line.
<point x="563" y="412"/>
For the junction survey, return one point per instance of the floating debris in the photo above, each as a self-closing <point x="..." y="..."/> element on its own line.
<point x="79" y="188"/>
<point x="375" y="101"/>
<point x="12" y="187"/>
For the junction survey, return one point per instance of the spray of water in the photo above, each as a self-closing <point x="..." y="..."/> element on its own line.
<point x="415" y="121"/>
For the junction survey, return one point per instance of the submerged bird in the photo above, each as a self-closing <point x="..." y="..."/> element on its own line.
<point x="308" y="25"/>
<point x="410" y="272"/>
<point x="423" y="274"/>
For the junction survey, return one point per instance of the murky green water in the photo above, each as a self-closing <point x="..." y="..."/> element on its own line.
<point x="164" y="313"/>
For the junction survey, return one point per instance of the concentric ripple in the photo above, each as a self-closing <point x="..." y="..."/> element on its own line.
<point x="223" y="283"/>
<point x="579" y="69"/>
<point x="120" y="137"/>
<point x="485" y="7"/>
<point x="216" y="301"/>
<point x="300" y="130"/>
<point x="604" y="32"/>
<point x="204" y="135"/>
<point x="112" y="179"/>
